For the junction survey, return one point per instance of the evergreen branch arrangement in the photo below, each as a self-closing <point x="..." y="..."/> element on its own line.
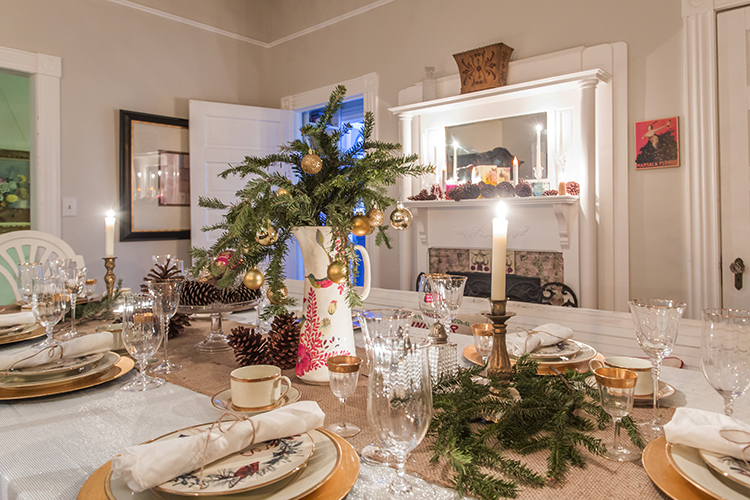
<point x="471" y="426"/>
<point x="100" y="310"/>
<point x="270" y="203"/>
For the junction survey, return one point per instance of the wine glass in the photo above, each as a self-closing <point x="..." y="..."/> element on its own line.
<point x="725" y="353"/>
<point x="426" y="304"/>
<point x="656" y="323"/>
<point x="447" y="293"/>
<point x="48" y="305"/>
<point x="399" y="399"/>
<point x="343" y="374"/>
<point x="166" y="295"/>
<point x="483" y="339"/>
<point x="74" y="278"/>
<point x="616" y="392"/>
<point x="378" y="323"/>
<point x="26" y="272"/>
<point x="140" y="337"/>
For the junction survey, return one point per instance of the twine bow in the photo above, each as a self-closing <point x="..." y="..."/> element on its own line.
<point x="50" y="350"/>
<point x="737" y="436"/>
<point x="217" y="424"/>
<point x="529" y="333"/>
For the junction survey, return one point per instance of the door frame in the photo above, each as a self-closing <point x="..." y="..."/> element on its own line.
<point x="365" y="86"/>
<point x="44" y="72"/>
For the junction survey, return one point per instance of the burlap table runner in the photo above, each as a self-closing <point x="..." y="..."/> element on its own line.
<point x="601" y="479"/>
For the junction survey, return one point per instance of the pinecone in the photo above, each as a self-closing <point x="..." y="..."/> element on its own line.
<point x="506" y="190"/>
<point x="437" y="191"/>
<point x="250" y="347"/>
<point x="466" y="191"/>
<point x="283" y="340"/>
<point x="178" y="322"/>
<point x="245" y="294"/>
<point x="572" y="187"/>
<point x="423" y="195"/>
<point x="196" y="293"/>
<point x="523" y="189"/>
<point x="227" y="295"/>
<point x="177" y="325"/>
<point x="487" y="190"/>
<point x="550" y="192"/>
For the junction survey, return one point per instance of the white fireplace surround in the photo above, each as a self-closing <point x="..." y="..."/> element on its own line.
<point x="584" y="93"/>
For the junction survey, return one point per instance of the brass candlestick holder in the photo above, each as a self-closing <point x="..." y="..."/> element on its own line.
<point x="498" y="364"/>
<point x="109" y="278"/>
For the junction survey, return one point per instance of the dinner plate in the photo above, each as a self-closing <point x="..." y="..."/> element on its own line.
<point x="585" y="353"/>
<point x="16" y="328"/>
<point x="734" y="469"/>
<point x="665" y="390"/>
<point x="223" y="401"/>
<point x="566" y="348"/>
<point x="689" y="464"/>
<point x="29" y="332"/>
<point x="329" y="475"/>
<point x="60" y="366"/>
<point x="578" y="362"/>
<point x="123" y="366"/>
<point x="23" y="382"/>
<point x="664" y="476"/>
<point x="257" y="466"/>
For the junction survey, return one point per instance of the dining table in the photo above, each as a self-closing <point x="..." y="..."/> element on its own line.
<point x="51" y="446"/>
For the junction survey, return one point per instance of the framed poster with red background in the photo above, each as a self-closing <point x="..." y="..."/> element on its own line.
<point x="657" y="143"/>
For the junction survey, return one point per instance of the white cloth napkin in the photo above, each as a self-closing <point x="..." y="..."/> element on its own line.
<point x="548" y="334"/>
<point x="148" y="465"/>
<point x="700" y="429"/>
<point x="13" y="319"/>
<point x="79" y="346"/>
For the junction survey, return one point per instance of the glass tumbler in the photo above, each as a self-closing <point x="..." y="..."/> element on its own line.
<point x="343" y="374"/>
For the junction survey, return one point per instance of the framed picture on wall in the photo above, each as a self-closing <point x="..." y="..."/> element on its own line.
<point x="657" y="143"/>
<point x="154" y="177"/>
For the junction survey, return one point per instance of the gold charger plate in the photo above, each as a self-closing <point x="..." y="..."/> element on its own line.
<point x="36" y="332"/>
<point x="123" y="366"/>
<point x="471" y="354"/>
<point x="665" y="477"/>
<point x="335" y="488"/>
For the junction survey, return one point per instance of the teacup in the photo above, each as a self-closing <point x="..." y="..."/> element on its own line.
<point x="642" y="367"/>
<point x="258" y="387"/>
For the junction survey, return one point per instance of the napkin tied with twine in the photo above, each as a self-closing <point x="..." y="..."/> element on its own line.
<point x="33" y="356"/>
<point x="148" y="465"/>
<point x="705" y="430"/>
<point x="522" y="341"/>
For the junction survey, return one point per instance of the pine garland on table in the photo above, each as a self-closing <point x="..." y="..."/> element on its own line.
<point x="553" y="413"/>
<point x="100" y="310"/>
<point x="345" y="181"/>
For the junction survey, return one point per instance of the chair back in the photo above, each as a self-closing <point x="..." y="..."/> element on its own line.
<point x="28" y="246"/>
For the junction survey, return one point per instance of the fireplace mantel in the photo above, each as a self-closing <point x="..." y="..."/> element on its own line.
<point x="584" y="93"/>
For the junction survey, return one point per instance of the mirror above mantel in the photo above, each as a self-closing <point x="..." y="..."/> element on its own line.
<point x="584" y="126"/>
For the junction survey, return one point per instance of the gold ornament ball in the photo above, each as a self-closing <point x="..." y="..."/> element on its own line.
<point x="336" y="271"/>
<point x="278" y="298"/>
<point x="281" y="191"/>
<point x="401" y="218"/>
<point x="311" y="163"/>
<point x="360" y="225"/>
<point x="376" y="216"/>
<point x="267" y="236"/>
<point x="253" y="279"/>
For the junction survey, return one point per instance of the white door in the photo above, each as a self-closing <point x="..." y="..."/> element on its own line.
<point x="222" y="135"/>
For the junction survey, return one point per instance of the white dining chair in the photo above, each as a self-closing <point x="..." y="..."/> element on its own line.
<point x="28" y="246"/>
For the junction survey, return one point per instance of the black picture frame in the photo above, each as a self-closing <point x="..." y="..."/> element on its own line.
<point x="130" y="214"/>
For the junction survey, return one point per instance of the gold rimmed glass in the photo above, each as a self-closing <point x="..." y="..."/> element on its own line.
<point x="483" y="338"/>
<point x="141" y="338"/>
<point x="616" y="392"/>
<point x="48" y="305"/>
<point x="343" y="374"/>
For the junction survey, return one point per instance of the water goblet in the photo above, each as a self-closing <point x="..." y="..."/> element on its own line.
<point x="426" y="303"/>
<point x="343" y="374"/>
<point x="725" y="351"/>
<point x="399" y="400"/>
<point x="74" y="278"/>
<point x="166" y="295"/>
<point x="48" y="305"/>
<point x="378" y="323"/>
<point x="483" y="339"/>
<point x="27" y="271"/>
<point x="616" y="392"/>
<point x="447" y="293"/>
<point x="656" y="324"/>
<point x="140" y="337"/>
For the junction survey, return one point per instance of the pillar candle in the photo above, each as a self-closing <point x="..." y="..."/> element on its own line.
<point x="109" y="234"/>
<point x="515" y="170"/>
<point x="561" y="190"/>
<point x="499" y="248"/>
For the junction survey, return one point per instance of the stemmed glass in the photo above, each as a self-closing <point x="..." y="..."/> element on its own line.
<point x="343" y="374"/>
<point x="378" y="323"/>
<point x="725" y="353"/>
<point x="27" y="271"/>
<point x="166" y="295"/>
<point x="483" y="339"/>
<point x="399" y="399"/>
<point x="74" y="278"/>
<point x="446" y="294"/>
<point x="656" y="323"/>
<point x="616" y="391"/>
<point x="48" y="305"/>
<point x="426" y="304"/>
<point x="141" y="338"/>
<point x="168" y="262"/>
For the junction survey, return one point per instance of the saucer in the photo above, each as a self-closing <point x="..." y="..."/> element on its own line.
<point x="223" y="401"/>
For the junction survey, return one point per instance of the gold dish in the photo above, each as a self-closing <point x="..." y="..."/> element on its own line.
<point x="664" y="476"/>
<point x="123" y="366"/>
<point x="470" y="353"/>
<point x="36" y="332"/>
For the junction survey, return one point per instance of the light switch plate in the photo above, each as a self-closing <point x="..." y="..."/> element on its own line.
<point x="69" y="207"/>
